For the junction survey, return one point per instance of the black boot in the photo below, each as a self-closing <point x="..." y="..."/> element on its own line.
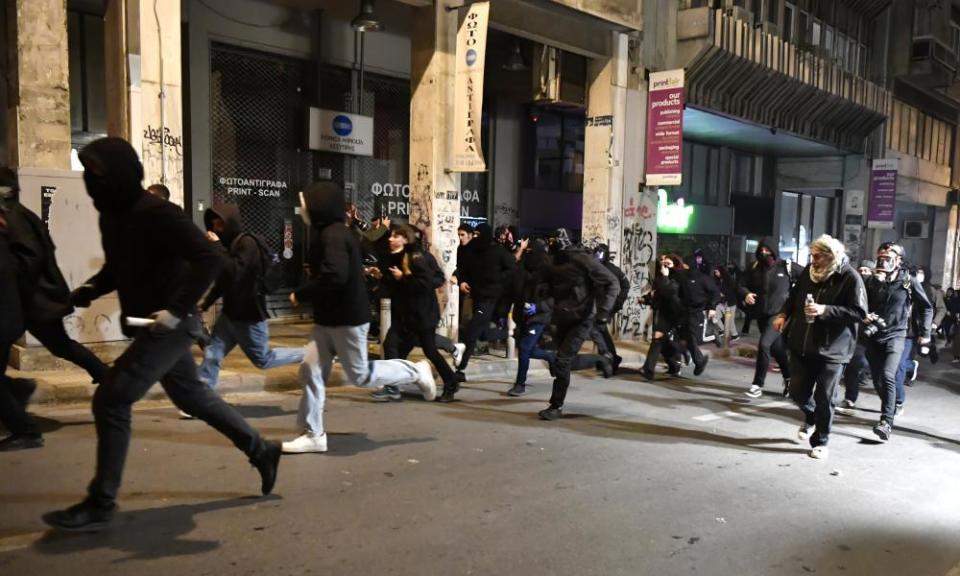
<point x="267" y="462"/>
<point x="82" y="517"/>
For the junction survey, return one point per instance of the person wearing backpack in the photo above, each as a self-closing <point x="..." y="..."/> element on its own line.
<point x="243" y="282"/>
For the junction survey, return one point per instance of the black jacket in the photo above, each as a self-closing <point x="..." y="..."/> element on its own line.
<point x="622" y="281"/>
<point x="156" y="259"/>
<point x="531" y="286"/>
<point x="46" y="297"/>
<point x="895" y="301"/>
<point x="488" y="268"/>
<point x="336" y="286"/>
<point x="581" y="287"/>
<point x="771" y="284"/>
<point x="833" y="336"/>
<point x="239" y="282"/>
<point x="697" y="290"/>
<point x="413" y="303"/>
<point x="664" y="298"/>
<point x="11" y="314"/>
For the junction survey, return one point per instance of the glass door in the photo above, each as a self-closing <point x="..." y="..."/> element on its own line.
<point x="804" y="217"/>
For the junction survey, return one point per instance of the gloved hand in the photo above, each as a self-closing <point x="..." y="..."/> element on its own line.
<point x="164" y="321"/>
<point x="529" y="308"/>
<point x="83" y="296"/>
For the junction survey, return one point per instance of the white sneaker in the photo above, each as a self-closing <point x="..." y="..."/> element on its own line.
<point x="458" y="350"/>
<point x="819" y="452"/>
<point x="306" y="443"/>
<point x="913" y="373"/>
<point x="426" y="383"/>
<point x="845" y="407"/>
<point x="805" y="430"/>
<point x="754" y="391"/>
<point x="185" y="416"/>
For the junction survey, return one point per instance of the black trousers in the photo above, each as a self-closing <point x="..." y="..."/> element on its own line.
<point x="884" y="359"/>
<point x="771" y="344"/>
<point x="569" y="337"/>
<point x="400" y="341"/>
<point x="854" y="372"/>
<point x="13" y="414"/>
<point x="483" y="314"/>
<point x="165" y="357"/>
<point x="814" y="390"/>
<point x="54" y="337"/>
<point x="604" y="341"/>
<point x="661" y="346"/>
<point x="689" y="332"/>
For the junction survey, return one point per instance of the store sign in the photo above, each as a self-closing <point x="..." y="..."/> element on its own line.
<point x="332" y="131"/>
<point x="665" y="129"/>
<point x="468" y="94"/>
<point x="673" y="218"/>
<point x="883" y="193"/>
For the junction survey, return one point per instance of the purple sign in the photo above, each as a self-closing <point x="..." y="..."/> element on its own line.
<point x="883" y="194"/>
<point x="665" y="129"/>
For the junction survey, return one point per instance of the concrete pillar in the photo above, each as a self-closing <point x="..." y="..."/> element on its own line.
<point x="434" y="192"/>
<point x="144" y="82"/>
<point x="943" y="253"/>
<point x="38" y="113"/>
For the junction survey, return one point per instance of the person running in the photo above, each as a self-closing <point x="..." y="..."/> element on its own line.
<point x="601" y="335"/>
<point x="699" y="296"/>
<point x="160" y="264"/>
<point x="667" y="313"/>
<point x="532" y="311"/>
<point x="341" y="317"/>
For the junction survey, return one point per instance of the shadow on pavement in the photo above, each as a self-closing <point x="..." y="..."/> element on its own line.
<point x="258" y="411"/>
<point x="353" y="443"/>
<point x="146" y="534"/>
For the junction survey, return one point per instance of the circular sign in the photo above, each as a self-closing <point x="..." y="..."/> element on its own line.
<point x="471" y="57"/>
<point x="342" y="125"/>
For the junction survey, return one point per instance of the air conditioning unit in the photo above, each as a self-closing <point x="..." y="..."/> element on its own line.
<point x="916" y="229"/>
<point x="559" y="77"/>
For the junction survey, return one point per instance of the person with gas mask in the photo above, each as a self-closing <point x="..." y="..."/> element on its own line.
<point x="893" y="295"/>
<point x="667" y="312"/>
<point x="764" y="287"/>
<point x="341" y="318"/>
<point x="821" y="316"/>
<point x="584" y="293"/>
<point x="160" y="264"/>
<point x="601" y="334"/>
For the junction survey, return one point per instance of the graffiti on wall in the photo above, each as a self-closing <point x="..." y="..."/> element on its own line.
<point x="638" y="252"/>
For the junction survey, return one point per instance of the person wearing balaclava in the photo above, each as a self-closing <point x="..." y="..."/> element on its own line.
<point x="160" y="264"/>
<point x="601" y="334"/>
<point x="532" y="310"/>
<point x="667" y="314"/>
<point x="341" y="316"/>
<point x="243" y="320"/>
<point x="45" y="296"/>
<point x="763" y="290"/>
<point x="584" y="293"/>
<point x="821" y="317"/>
<point x="894" y="296"/>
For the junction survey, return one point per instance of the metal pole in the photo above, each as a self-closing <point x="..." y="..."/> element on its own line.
<point x="385" y="307"/>
<point x="511" y="341"/>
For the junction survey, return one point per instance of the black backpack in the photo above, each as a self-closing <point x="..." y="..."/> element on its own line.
<point x="271" y="266"/>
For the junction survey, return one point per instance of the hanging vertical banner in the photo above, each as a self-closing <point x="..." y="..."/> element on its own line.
<point x="665" y="129"/>
<point x="468" y="95"/>
<point x="883" y="193"/>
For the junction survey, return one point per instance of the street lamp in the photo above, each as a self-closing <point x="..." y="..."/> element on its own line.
<point x="366" y="20"/>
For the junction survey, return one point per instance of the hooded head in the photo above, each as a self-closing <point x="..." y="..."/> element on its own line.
<point x="561" y="241"/>
<point x="602" y="253"/>
<point x="535" y="258"/>
<point x="484" y="234"/>
<point x="766" y="254"/>
<point x="323" y="203"/>
<point x="112" y="173"/>
<point x="232" y="223"/>
<point x="827" y="255"/>
<point x="9" y="185"/>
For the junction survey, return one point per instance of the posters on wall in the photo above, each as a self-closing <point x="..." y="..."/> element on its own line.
<point x="883" y="193"/>
<point x="664" y="166"/>
<point x="467" y="154"/>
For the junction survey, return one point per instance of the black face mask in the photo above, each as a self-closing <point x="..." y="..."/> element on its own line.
<point x="98" y="188"/>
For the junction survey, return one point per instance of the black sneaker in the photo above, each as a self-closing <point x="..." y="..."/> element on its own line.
<point x="551" y="414"/>
<point x="459" y="376"/>
<point x="446" y="397"/>
<point x="82" y="517"/>
<point x="22" y="389"/>
<point x="648" y="374"/>
<point x="883" y="430"/>
<point x="21" y="442"/>
<point x="617" y="360"/>
<point x="387" y="393"/>
<point x="674" y="370"/>
<point x="268" y="464"/>
<point x="786" y="387"/>
<point x="699" y="367"/>
<point x="517" y="390"/>
<point x="606" y="368"/>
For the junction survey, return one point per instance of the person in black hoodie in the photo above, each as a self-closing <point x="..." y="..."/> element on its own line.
<point x="486" y="275"/>
<point x="894" y="295"/>
<point x="821" y="316"/>
<point x="601" y="335"/>
<point x="532" y="311"/>
<point x="160" y="265"/>
<point x="14" y="393"/>
<point x="668" y="312"/>
<point x="45" y="295"/>
<point x="341" y="317"/>
<point x="764" y="287"/>
<point x="243" y="320"/>
<point x="584" y="293"/>
<point x="412" y="276"/>
<point x="698" y="293"/>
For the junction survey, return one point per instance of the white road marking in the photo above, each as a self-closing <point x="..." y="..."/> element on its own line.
<point x="747" y="409"/>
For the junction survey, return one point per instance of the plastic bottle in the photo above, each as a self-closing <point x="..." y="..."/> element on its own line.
<point x="810" y="300"/>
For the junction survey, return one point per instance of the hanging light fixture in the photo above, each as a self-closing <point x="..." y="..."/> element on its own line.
<point x="366" y="20"/>
<point x="515" y="61"/>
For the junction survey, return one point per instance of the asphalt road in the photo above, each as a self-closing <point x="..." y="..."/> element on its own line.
<point x="680" y="476"/>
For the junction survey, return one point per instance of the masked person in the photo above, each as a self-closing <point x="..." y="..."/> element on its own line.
<point x="893" y="295"/>
<point x="584" y="293"/>
<point x="532" y="311"/>
<point x="601" y="334"/>
<point x="664" y="299"/>
<point x="821" y="316"/>
<point x="341" y="317"/>
<point x="764" y="288"/>
<point x="243" y="320"/>
<point x="160" y="264"/>
<point x="698" y="295"/>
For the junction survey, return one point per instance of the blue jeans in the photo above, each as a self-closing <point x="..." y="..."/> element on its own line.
<point x="853" y="372"/>
<point x="253" y="338"/>
<point x="527" y="348"/>
<point x="906" y="366"/>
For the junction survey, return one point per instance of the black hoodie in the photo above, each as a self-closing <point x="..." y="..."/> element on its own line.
<point x="156" y="259"/>
<point x="489" y="266"/>
<point x="239" y="280"/>
<point x="11" y="319"/>
<point x="581" y="287"/>
<point x="769" y="280"/>
<point x="531" y="286"/>
<point x="336" y="286"/>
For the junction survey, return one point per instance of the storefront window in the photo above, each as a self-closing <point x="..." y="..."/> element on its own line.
<point x="88" y="112"/>
<point x="556" y="154"/>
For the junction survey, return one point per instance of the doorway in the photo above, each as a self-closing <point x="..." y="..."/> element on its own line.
<point x="803" y="217"/>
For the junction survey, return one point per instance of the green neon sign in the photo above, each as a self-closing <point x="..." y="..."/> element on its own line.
<point x="674" y="217"/>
